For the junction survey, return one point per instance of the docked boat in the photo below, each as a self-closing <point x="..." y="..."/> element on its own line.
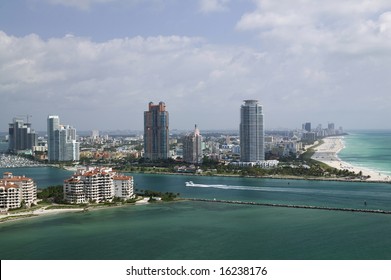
<point x="189" y="184"/>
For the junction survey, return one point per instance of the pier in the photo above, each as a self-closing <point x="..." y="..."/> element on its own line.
<point x="375" y="211"/>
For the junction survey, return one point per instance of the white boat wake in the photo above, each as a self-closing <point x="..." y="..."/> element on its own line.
<point x="289" y="190"/>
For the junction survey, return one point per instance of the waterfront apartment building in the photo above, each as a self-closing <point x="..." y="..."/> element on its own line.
<point x="62" y="143"/>
<point x="16" y="191"/>
<point x="97" y="185"/>
<point x="156" y="133"/>
<point x="251" y="132"/>
<point x="192" y="152"/>
<point x="22" y="138"/>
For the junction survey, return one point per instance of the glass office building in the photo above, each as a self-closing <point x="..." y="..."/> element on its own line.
<point x="251" y="132"/>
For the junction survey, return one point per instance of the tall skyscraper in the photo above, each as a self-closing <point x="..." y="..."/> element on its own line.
<point x="62" y="144"/>
<point x="21" y="136"/>
<point x="192" y="152"/>
<point x="156" y="145"/>
<point x="53" y="124"/>
<point x="307" y="126"/>
<point x="251" y="132"/>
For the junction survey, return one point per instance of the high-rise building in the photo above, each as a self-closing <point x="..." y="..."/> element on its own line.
<point x="251" y="132"/>
<point x="21" y="136"/>
<point x="192" y="152"/>
<point x="156" y="145"/>
<point x="95" y="134"/>
<point x="62" y="143"/>
<point x="307" y="126"/>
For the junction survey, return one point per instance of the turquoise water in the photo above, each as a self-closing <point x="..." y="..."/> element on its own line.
<point x="368" y="149"/>
<point x="200" y="230"/>
<point x="193" y="230"/>
<point x="43" y="176"/>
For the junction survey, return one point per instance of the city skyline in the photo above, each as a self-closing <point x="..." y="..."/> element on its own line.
<point x="97" y="62"/>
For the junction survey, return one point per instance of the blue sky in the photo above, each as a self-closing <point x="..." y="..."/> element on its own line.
<point x="97" y="63"/>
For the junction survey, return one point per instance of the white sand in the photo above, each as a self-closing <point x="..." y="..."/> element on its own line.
<point x="44" y="211"/>
<point x="328" y="154"/>
<point x="143" y="201"/>
<point x="41" y="211"/>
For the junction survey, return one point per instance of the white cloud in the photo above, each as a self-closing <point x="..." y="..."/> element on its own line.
<point x="334" y="26"/>
<point x="101" y="82"/>
<point x="79" y="4"/>
<point x="210" y="6"/>
<point x="314" y="61"/>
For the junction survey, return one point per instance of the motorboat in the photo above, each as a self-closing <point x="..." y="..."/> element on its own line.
<point x="189" y="184"/>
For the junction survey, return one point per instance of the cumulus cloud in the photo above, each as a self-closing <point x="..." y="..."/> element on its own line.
<point x="311" y="61"/>
<point x="99" y="83"/>
<point x="334" y="26"/>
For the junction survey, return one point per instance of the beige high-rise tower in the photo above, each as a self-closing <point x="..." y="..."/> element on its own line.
<point x="192" y="152"/>
<point x="156" y="144"/>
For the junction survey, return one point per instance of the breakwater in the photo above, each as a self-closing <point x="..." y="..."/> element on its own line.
<point x="376" y="211"/>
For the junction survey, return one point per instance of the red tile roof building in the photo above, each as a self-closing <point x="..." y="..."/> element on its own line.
<point x="97" y="185"/>
<point x="16" y="191"/>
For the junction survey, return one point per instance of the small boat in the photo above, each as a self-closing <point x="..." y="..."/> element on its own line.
<point x="189" y="184"/>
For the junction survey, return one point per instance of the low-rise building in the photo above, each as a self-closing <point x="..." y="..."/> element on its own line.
<point x="16" y="191"/>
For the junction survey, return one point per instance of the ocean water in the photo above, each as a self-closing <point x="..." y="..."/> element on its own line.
<point x="3" y="147"/>
<point x="43" y="176"/>
<point x="195" y="230"/>
<point x="368" y="149"/>
<point x="202" y="230"/>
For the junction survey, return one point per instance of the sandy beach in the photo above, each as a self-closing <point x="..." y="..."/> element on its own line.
<point x="328" y="154"/>
<point x="36" y="212"/>
<point x="10" y="216"/>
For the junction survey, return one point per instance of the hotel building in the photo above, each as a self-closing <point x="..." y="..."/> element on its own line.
<point x="15" y="191"/>
<point x="192" y="152"/>
<point x="156" y="145"/>
<point x="62" y="144"/>
<point x="251" y="132"/>
<point x="97" y="185"/>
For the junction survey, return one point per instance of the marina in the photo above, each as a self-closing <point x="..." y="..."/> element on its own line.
<point x="13" y="161"/>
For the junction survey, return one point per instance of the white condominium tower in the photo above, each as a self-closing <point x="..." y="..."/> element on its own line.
<point x="251" y="132"/>
<point x="62" y="144"/>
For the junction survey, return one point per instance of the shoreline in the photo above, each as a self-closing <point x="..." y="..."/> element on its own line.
<point x="42" y="211"/>
<point x="8" y="217"/>
<point x="328" y="154"/>
<point x="276" y="177"/>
